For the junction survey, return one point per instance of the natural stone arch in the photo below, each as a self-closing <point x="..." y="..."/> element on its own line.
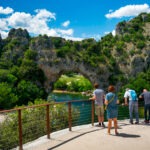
<point x="54" y="71"/>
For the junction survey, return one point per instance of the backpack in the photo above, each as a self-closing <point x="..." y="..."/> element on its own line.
<point x="133" y="95"/>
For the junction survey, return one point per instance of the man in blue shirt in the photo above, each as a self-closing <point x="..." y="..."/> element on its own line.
<point x="146" y="96"/>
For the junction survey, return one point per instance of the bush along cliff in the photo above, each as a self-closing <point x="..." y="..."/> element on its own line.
<point x="29" y="66"/>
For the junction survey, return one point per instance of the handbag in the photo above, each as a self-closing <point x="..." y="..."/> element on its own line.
<point x="109" y="102"/>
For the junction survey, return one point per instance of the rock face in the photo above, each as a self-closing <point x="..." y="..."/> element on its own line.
<point x="54" y="71"/>
<point x="125" y="62"/>
<point x="19" y="33"/>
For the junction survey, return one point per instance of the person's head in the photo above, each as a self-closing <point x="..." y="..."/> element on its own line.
<point x="96" y="85"/>
<point x="127" y="89"/>
<point x="111" y="88"/>
<point x="144" y="90"/>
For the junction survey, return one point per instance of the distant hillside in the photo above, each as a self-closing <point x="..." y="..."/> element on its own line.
<point x="42" y="60"/>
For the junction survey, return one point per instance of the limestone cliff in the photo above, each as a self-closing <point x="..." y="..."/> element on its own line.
<point x="109" y="61"/>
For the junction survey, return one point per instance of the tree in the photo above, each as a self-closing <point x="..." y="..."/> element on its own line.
<point x="7" y="97"/>
<point x="27" y="91"/>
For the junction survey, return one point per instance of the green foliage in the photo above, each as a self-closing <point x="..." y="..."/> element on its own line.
<point x="119" y="46"/>
<point x="33" y="123"/>
<point x="138" y="83"/>
<point x="20" y="55"/>
<point x="27" y="91"/>
<point x="58" y="42"/>
<point x="75" y="83"/>
<point x="140" y="44"/>
<point x="63" y="51"/>
<point x="8" y="98"/>
<point x="30" y="54"/>
<point x="6" y="76"/>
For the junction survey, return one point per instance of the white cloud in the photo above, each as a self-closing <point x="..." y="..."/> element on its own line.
<point x="65" y="32"/>
<point x="129" y="11"/>
<point x="35" y="24"/>
<point x="3" y="34"/>
<point x="73" y="38"/>
<point x="19" y="19"/>
<point x="44" y="14"/>
<point x="107" y="32"/>
<point x="6" y="10"/>
<point x="114" y="32"/>
<point x="66" y="23"/>
<point x="3" y="24"/>
<point x="94" y="36"/>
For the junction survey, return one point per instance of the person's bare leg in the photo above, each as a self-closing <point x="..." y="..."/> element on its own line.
<point x="109" y="125"/>
<point x="102" y="121"/>
<point x="115" y="125"/>
<point x="99" y="119"/>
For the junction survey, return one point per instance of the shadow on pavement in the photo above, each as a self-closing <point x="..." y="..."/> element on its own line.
<point x="72" y="139"/>
<point x="125" y="135"/>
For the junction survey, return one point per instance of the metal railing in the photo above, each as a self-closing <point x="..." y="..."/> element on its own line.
<point x="21" y="125"/>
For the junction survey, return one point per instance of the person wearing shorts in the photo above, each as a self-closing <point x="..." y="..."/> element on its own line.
<point x="98" y="97"/>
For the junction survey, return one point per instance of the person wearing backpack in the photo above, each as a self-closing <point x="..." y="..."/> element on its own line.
<point x="133" y="104"/>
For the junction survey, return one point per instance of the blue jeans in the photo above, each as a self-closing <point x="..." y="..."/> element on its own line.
<point x="133" y="107"/>
<point x="147" y="110"/>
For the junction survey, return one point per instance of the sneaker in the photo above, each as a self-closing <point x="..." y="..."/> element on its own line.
<point x="146" y="121"/>
<point x="99" y="124"/>
<point x="136" y="122"/>
<point x="103" y="124"/>
<point x="131" y="122"/>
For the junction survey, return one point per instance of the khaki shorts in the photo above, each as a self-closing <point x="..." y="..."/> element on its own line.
<point x="99" y="110"/>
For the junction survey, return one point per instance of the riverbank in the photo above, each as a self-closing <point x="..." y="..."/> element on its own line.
<point x="86" y="93"/>
<point x="67" y="92"/>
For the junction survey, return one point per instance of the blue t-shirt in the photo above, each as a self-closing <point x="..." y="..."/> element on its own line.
<point x="111" y="96"/>
<point x="146" y="96"/>
<point x="112" y="108"/>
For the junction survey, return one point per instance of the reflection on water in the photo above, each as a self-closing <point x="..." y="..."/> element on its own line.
<point x="63" y="97"/>
<point x="84" y="107"/>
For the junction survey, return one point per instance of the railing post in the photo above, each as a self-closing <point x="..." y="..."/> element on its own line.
<point x="92" y="113"/>
<point x="69" y="116"/>
<point x="48" y="121"/>
<point x="20" y="129"/>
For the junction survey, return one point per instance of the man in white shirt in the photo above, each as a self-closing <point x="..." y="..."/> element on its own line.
<point x="133" y="106"/>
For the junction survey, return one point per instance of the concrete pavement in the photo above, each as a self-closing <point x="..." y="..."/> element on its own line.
<point x="89" y="137"/>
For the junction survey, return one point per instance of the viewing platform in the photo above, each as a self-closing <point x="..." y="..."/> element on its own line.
<point x="88" y="137"/>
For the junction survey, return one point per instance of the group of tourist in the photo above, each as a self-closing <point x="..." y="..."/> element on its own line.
<point x="110" y="101"/>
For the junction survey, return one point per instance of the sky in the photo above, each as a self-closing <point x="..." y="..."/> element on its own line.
<point x="70" y="19"/>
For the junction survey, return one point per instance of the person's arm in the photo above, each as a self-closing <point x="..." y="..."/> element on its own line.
<point x="126" y="101"/>
<point x="141" y="95"/>
<point x="118" y="101"/>
<point x="106" y="102"/>
<point x="126" y="98"/>
<point x="92" y="98"/>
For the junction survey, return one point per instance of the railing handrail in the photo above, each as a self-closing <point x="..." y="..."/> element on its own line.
<point x="19" y="110"/>
<point x="35" y="106"/>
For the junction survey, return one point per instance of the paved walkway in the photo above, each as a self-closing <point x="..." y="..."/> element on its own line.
<point x="87" y="137"/>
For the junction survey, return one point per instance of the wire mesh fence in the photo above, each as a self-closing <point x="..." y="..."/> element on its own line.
<point x="19" y="126"/>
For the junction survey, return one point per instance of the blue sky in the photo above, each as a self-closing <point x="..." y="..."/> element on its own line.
<point x="70" y="19"/>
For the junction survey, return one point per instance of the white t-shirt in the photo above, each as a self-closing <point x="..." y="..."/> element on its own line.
<point x="128" y="95"/>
